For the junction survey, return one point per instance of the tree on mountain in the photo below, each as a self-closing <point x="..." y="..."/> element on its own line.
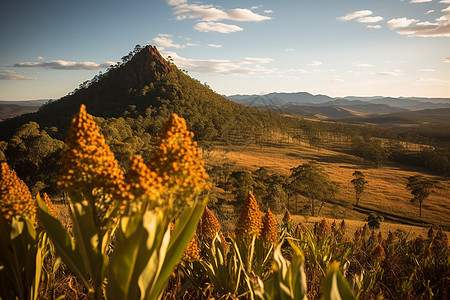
<point x="420" y="188"/>
<point x="359" y="182"/>
<point x="311" y="180"/>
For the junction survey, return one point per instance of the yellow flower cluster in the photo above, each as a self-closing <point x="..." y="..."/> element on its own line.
<point x="53" y="210"/>
<point x="209" y="225"/>
<point x="15" y="197"/>
<point x="89" y="164"/>
<point x="141" y="181"/>
<point x="249" y="223"/>
<point x="269" y="231"/>
<point x="192" y="251"/>
<point x="177" y="161"/>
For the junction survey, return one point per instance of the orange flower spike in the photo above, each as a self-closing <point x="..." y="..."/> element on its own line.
<point x="249" y="222"/>
<point x="209" y="225"/>
<point x="88" y="162"/>
<point x="140" y="179"/>
<point x="269" y="230"/>
<point x="192" y="251"/>
<point x="89" y="165"/>
<point x="15" y="197"/>
<point x="53" y="210"/>
<point x="178" y="162"/>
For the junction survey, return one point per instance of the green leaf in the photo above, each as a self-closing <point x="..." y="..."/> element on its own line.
<point x="64" y="245"/>
<point x="182" y="234"/>
<point x="335" y="285"/>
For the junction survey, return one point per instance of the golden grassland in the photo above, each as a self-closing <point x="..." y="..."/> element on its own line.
<point x="386" y="188"/>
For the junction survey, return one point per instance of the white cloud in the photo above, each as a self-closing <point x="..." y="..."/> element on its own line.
<point x="245" y="66"/>
<point x="217" y="27"/>
<point x="297" y="71"/>
<point x="176" y="2"/>
<point x="268" y="11"/>
<point x="11" y="75"/>
<point x="370" y="19"/>
<point x="427" y="70"/>
<point x="444" y="1"/>
<point x="419" y="1"/>
<point x="363" y="65"/>
<point x="289" y="50"/>
<point x="214" y="45"/>
<point x="64" y="65"/>
<point x="401" y="22"/>
<point x="208" y="12"/>
<point x="165" y="40"/>
<point x="427" y="29"/>
<point x="40" y="58"/>
<point x="374" y="26"/>
<point x="447" y="59"/>
<point x="433" y="80"/>
<point x="396" y="72"/>
<point x="440" y="28"/>
<point x="355" y="14"/>
<point x="314" y="63"/>
<point x="429" y="11"/>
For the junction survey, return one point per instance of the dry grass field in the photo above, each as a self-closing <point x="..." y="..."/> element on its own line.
<point x="386" y="188"/>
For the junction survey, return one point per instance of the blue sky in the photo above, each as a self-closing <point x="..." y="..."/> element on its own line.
<point x="338" y="48"/>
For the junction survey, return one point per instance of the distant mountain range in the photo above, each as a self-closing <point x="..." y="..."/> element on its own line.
<point x="11" y="108"/>
<point x="377" y="109"/>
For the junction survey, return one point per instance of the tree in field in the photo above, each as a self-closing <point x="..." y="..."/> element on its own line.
<point x="359" y="182"/>
<point x="420" y="188"/>
<point x="311" y="180"/>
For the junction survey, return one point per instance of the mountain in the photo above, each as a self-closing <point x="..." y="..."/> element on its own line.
<point x="9" y="109"/>
<point x="300" y="97"/>
<point x="308" y="105"/>
<point x="141" y="93"/>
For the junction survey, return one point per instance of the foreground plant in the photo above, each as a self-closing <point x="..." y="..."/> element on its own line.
<point x="137" y="209"/>
<point x="21" y="243"/>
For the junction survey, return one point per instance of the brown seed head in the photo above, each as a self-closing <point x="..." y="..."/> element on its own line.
<point x="269" y="232"/>
<point x="286" y="217"/>
<point x="323" y="228"/>
<point x="377" y="253"/>
<point x="209" y="225"/>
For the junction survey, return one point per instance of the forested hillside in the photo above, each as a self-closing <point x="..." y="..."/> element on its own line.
<point x="133" y="98"/>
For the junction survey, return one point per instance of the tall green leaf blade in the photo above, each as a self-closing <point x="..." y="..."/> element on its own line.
<point x="64" y="245"/>
<point x="184" y="231"/>
<point x="335" y="285"/>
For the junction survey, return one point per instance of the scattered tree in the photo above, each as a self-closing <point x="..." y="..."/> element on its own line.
<point x="311" y="180"/>
<point x="374" y="220"/>
<point x="420" y="188"/>
<point x="359" y="182"/>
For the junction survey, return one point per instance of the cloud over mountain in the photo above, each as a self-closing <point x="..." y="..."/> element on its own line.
<point x="247" y="65"/>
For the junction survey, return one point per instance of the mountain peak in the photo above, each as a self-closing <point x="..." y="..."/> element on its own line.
<point x="141" y="69"/>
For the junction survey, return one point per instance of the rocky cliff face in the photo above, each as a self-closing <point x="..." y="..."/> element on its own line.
<point x="140" y="70"/>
